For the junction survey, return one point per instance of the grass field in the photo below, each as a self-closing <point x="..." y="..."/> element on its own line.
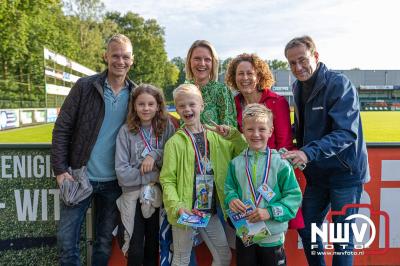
<point x="381" y="126"/>
<point x="34" y="134"/>
<point x="378" y="127"/>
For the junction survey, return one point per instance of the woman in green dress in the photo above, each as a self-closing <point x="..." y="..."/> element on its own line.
<point x="202" y="70"/>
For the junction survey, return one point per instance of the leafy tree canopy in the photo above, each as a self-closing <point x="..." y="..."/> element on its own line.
<point x="78" y="29"/>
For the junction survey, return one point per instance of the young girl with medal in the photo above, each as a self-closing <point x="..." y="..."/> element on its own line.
<point x="138" y="161"/>
<point x="193" y="176"/>
<point x="260" y="175"/>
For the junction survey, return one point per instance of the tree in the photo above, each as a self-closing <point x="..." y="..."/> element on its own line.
<point x="25" y="27"/>
<point x="224" y="64"/>
<point x="151" y="62"/>
<point x="86" y="18"/>
<point x="179" y="64"/>
<point x="13" y="19"/>
<point x="277" y="64"/>
<point x="172" y="75"/>
<point x="85" y="10"/>
<point x="79" y="31"/>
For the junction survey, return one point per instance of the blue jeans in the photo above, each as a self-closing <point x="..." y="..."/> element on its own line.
<point x="71" y="219"/>
<point x="316" y="203"/>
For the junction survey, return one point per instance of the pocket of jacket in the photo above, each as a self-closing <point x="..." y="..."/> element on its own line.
<point x="347" y="163"/>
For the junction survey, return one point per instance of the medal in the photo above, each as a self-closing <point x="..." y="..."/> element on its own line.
<point x="204" y="183"/>
<point x="145" y="152"/>
<point x="203" y="163"/>
<point x="147" y="141"/>
<point x="266" y="192"/>
<point x="257" y="198"/>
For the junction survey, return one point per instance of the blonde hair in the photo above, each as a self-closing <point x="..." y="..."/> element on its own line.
<point x="214" y="56"/>
<point x="187" y="89"/>
<point x="257" y="112"/>
<point x="119" y="38"/>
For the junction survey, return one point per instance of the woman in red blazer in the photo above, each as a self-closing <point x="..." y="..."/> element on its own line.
<point x="251" y="77"/>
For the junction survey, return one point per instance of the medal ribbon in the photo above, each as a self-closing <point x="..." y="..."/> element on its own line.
<point x="197" y="153"/>
<point x="145" y="141"/>
<point x="257" y="198"/>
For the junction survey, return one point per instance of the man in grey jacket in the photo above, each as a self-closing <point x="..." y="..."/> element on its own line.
<point x="84" y="137"/>
<point x="329" y="136"/>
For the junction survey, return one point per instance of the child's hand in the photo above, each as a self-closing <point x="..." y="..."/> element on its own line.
<point x="237" y="205"/>
<point x="198" y="213"/>
<point x="222" y="130"/>
<point x="147" y="165"/>
<point x="183" y="210"/>
<point x="259" y="214"/>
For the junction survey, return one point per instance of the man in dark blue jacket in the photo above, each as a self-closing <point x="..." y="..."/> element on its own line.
<point x="329" y="136"/>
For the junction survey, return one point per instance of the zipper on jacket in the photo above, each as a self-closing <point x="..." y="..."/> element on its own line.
<point x="91" y="145"/>
<point x="304" y="126"/>
<point x="344" y="164"/>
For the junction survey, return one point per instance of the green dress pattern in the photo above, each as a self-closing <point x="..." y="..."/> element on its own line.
<point x="219" y="105"/>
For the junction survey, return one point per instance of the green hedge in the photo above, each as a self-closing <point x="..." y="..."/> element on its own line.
<point x="11" y="228"/>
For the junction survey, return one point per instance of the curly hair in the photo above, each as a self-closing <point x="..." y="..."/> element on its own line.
<point x="264" y="74"/>
<point x="159" y="121"/>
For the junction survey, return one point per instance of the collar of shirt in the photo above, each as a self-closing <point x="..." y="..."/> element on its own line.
<point x="107" y="86"/>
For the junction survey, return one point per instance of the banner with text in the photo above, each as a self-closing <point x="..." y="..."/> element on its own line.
<point x="29" y="206"/>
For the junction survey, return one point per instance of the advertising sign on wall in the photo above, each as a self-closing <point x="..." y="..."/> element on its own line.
<point x="9" y="118"/>
<point x="57" y="90"/>
<point x="51" y="115"/>
<point x="40" y="115"/>
<point x="26" y="117"/>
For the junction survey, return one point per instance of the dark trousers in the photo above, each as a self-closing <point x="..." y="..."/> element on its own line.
<point x="317" y="201"/>
<point x="71" y="219"/>
<point x="257" y="255"/>
<point x="143" y="248"/>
